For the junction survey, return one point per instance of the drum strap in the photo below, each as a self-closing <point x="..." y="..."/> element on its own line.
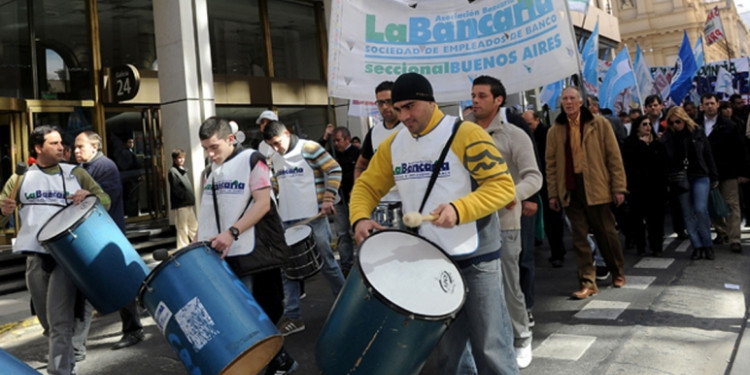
<point x="438" y="163"/>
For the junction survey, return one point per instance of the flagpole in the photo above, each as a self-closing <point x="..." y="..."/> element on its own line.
<point x="578" y="53"/>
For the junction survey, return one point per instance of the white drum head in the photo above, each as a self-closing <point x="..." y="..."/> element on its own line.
<point x="66" y="218"/>
<point x="412" y="273"/>
<point x="294" y="235"/>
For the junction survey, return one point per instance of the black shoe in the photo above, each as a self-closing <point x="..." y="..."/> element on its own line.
<point x="697" y="253"/>
<point x="602" y="273"/>
<point x="129" y="339"/>
<point x="282" y="364"/>
<point x="657" y="254"/>
<point x="556" y="263"/>
<point x="708" y="253"/>
<point x="682" y="235"/>
<point x="720" y="240"/>
<point x="735" y="247"/>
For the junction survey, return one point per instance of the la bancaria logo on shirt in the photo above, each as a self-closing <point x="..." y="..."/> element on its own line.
<point x="229" y="187"/>
<point x="49" y="194"/>
<point x="290" y="172"/>
<point x="419" y="169"/>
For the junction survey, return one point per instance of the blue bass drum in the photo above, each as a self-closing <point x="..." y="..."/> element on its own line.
<point x="207" y="314"/>
<point x="95" y="254"/>
<point x="393" y="309"/>
<point x="12" y="365"/>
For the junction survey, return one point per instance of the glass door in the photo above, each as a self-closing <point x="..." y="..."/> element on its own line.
<point x="134" y="141"/>
<point x="13" y="149"/>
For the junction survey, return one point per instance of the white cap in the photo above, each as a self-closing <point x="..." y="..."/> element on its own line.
<point x="267" y="114"/>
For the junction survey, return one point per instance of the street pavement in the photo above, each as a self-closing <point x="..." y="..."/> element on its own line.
<point x="674" y="316"/>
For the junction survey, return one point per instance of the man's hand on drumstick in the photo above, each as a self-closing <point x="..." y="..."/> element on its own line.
<point x="446" y="216"/>
<point x="364" y="227"/>
<point x="8" y="206"/>
<point x="79" y="196"/>
<point x="327" y="208"/>
<point x="222" y="242"/>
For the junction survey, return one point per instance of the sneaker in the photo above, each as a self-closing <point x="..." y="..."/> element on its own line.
<point x="532" y="323"/>
<point x="288" y="326"/>
<point x="281" y="365"/>
<point x="303" y="295"/>
<point x="523" y="356"/>
<point x="602" y="273"/>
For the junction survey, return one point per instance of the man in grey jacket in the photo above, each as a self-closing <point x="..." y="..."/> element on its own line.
<point x="488" y="95"/>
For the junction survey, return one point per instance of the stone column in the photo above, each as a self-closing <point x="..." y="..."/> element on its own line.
<point x="185" y="79"/>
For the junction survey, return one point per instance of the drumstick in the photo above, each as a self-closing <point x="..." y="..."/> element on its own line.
<point x="415" y="219"/>
<point x="20" y="170"/>
<point x="162" y="254"/>
<point x="308" y="220"/>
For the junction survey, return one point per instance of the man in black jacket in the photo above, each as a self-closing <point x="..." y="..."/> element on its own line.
<point x="732" y="163"/>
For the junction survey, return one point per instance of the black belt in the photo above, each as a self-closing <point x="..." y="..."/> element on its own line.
<point x="463" y="263"/>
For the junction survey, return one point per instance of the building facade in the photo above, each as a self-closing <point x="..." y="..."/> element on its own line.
<point x="658" y="25"/>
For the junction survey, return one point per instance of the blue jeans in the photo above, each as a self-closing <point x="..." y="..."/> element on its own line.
<point x="484" y="322"/>
<point x="694" y="205"/>
<point x="331" y="270"/>
<point x="345" y="245"/>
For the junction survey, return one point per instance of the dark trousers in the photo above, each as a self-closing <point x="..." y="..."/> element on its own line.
<point x="553" y="228"/>
<point x="651" y="210"/>
<point x="601" y="221"/>
<point x="131" y="321"/>
<point x="526" y="260"/>
<point x="678" y="222"/>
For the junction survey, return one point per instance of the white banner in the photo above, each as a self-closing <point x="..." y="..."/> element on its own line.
<point x="526" y="44"/>
<point x="713" y="29"/>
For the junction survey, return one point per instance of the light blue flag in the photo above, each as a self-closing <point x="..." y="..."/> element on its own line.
<point x="590" y="56"/>
<point x="642" y="75"/>
<point x="619" y="78"/>
<point x="580" y="6"/>
<point x="684" y="71"/>
<point x="550" y="93"/>
<point x="724" y="82"/>
<point x="698" y="53"/>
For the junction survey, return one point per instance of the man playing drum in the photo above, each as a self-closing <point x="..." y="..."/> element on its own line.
<point x="472" y="183"/>
<point x="308" y="179"/>
<point x="45" y="188"/>
<point x="237" y="201"/>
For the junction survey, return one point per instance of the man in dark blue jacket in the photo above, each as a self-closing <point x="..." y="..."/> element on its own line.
<point x="88" y="153"/>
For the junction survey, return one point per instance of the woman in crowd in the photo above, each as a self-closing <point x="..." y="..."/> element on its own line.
<point x="645" y="167"/>
<point x="689" y="155"/>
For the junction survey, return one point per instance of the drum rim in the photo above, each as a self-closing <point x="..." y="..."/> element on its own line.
<point x="163" y="264"/>
<point x="75" y="225"/>
<point x="383" y="299"/>
<point x="309" y="227"/>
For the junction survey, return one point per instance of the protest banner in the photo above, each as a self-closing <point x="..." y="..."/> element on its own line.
<point x="526" y="44"/>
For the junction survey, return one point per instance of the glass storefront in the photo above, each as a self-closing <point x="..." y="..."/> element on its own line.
<point x="237" y="46"/>
<point x="295" y="40"/>
<point x="126" y="32"/>
<point x="47" y="61"/>
<point x="15" y="51"/>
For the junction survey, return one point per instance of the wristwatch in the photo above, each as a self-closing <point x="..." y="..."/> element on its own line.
<point x="235" y="232"/>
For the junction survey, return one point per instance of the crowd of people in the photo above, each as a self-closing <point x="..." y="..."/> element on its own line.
<point x="494" y="176"/>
